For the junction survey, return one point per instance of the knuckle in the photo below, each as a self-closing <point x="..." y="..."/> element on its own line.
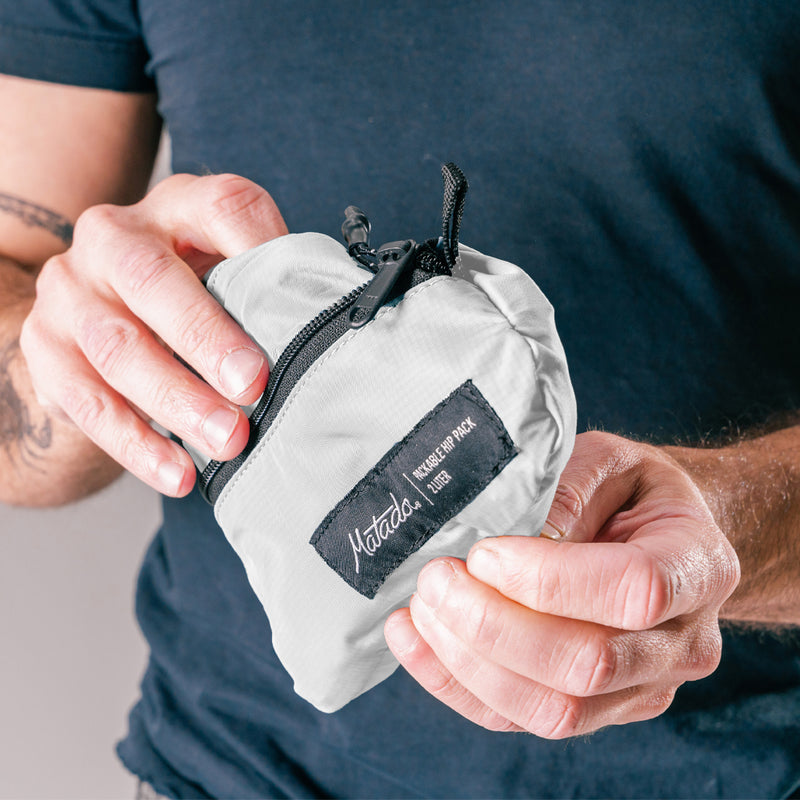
<point x="174" y="407"/>
<point x="593" y="668"/>
<point x="550" y="584"/>
<point x="727" y="569"/>
<point x="708" y="663"/>
<point x="87" y="409"/>
<point x="664" y="585"/>
<point x="232" y="196"/>
<point x="568" y="501"/>
<point x="484" y="626"/>
<point x="164" y="400"/>
<point x="704" y="652"/>
<point x="646" y="592"/>
<point x="199" y="330"/>
<point x="444" y="686"/>
<point x="107" y="345"/>
<point x="115" y="428"/>
<point x="53" y="271"/>
<point x="547" y="712"/>
<point x="657" y="702"/>
<point x="95" y="221"/>
<point x="515" y="582"/>
<point x="129" y="451"/>
<point x="139" y="270"/>
<point x="136" y="454"/>
<point x="561" y="717"/>
<point x="53" y="281"/>
<point x="449" y="691"/>
<point x="166" y="188"/>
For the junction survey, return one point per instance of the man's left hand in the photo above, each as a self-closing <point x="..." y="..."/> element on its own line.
<point x="596" y="623"/>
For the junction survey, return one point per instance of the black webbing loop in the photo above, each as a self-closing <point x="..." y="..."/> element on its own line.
<point x="455" y="193"/>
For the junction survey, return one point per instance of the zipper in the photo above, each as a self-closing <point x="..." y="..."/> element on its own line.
<point x="352" y="311"/>
<point x="392" y="260"/>
<point x="397" y="266"/>
<point x="287" y="370"/>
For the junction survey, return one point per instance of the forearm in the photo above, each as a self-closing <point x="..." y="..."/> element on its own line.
<point x="43" y="459"/>
<point x="63" y="149"/>
<point x="753" y="490"/>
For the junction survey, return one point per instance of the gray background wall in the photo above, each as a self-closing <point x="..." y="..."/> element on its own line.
<point x="70" y="653"/>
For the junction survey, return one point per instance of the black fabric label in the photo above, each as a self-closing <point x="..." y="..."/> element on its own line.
<point x="452" y="453"/>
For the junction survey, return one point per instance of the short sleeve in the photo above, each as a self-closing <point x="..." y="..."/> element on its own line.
<point x="93" y="43"/>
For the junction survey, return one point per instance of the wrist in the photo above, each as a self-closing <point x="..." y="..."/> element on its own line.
<point x="710" y="469"/>
<point x="751" y="488"/>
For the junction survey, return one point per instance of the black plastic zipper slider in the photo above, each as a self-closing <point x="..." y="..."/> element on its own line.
<point x="393" y="260"/>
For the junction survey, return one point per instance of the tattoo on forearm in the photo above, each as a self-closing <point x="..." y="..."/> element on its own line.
<point x="37" y="216"/>
<point x="17" y="433"/>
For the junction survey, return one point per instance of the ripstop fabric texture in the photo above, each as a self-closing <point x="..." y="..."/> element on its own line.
<point x="460" y="388"/>
<point x="641" y="159"/>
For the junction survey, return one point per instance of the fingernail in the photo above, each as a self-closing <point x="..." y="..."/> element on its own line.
<point x="401" y="633"/>
<point x="484" y="565"/>
<point x="218" y="427"/>
<point x="549" y="531"/>
<point x="170" y="476"/>
<point x="433" y="582"/>
<point x="238" y="371"/>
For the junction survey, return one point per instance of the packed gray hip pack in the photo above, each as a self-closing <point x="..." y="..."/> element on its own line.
<point x="398" y="425"/>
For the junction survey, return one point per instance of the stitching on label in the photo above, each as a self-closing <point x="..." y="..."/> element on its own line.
<point x="468" y="388"/>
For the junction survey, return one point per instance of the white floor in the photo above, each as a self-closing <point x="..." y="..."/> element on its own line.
<point x="70" y="653"/>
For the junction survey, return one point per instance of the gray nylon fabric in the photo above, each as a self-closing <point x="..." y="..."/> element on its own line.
<point x="489" y="323"/>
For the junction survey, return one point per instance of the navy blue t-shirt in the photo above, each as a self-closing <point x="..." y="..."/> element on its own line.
<point x="642" y="162"/>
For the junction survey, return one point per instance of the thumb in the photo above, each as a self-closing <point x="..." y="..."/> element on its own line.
<point x="601" y="475"/>
<point x="215" y="214"/>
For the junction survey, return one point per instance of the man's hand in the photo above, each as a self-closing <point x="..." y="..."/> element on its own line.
<point x="560" y="638"/>
<point x="111" y="311"/>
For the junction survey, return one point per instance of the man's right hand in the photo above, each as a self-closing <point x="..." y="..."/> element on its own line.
<point x="113" y="311"/>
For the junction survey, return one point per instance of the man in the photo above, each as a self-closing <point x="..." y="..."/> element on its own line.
<point x="641" y="163"/>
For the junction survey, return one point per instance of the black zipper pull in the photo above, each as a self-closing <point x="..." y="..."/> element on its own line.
<point x="355" y="227"/>
<point x="393" y="260"/>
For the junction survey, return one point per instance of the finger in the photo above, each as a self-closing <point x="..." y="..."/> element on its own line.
<point x="225" y="214"/>
<point x="162" y="291"/>
<point x="107" y="419"/>
<point x="574" y="657"/>
<point x="610" y="484"/>
<point x="633" y="586"/>
<point x="127" y="356"/>
<point x="585" y="497"/>
<point x="143" y="277"/>
<point x="416" y="656"/>
<point x="531" y="706"/>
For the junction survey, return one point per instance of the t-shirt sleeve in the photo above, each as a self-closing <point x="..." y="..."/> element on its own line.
<point x="93" y="43"/>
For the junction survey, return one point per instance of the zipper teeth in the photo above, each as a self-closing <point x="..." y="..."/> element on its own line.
<point x="297" y="344"/>
<point x="281" y="366"/>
